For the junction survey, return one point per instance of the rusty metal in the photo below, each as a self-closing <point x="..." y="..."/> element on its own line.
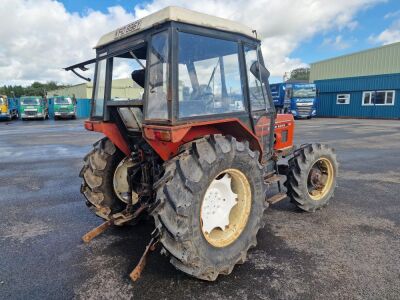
<point x="126" y="216"/>
<point x="117" y="219"/>
<point x="137" y="271"/>
<point x="276" y="198"/>
<point x="316" y="178"/>
<point x="96" y="231"/>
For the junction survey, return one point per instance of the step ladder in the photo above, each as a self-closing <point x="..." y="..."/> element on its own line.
<point x="273" y="178"/>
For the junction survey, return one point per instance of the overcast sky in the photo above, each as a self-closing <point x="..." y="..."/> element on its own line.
<point x="39" y="37"/>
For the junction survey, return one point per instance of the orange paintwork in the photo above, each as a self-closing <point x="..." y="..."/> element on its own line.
<point x="111" y="131"/>
<point x="182" y="134"/>
<point x="166" y="140"/>
<point x="284" y="122"/>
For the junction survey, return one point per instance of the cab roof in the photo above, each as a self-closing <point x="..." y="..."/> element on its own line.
<point x="178" y="14"/>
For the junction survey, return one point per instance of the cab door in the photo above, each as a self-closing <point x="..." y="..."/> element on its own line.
<point x="262" y="111"/>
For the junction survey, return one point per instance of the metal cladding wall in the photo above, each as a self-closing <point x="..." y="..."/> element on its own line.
<point x="355" y="86"/>
<point x="375" y="61"/>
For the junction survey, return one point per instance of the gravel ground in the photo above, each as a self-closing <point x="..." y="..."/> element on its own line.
<point x="349" y="250"/>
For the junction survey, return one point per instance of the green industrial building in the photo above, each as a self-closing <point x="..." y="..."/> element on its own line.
<point x="365" y="84"/>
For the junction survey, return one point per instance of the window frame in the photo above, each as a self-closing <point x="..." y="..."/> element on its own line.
<point x="347" y="99"/>
<point x="238" y="47"/>
<point x="371" y="101"/>
<point x="101" y="56"/>
<point x="386" y="93"/>
<point x="264" y="88"/>
<point x="372" y="98"/>
<point x="212" y="33"/>
<point x="169" y="78"/>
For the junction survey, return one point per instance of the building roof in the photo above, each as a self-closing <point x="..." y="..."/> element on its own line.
<point x="178" y="14"/>
<point x="374" y="61"/>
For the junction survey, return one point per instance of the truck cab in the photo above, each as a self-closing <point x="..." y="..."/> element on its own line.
<point x="34" y="107"/>
<point x="8" y="108"/>
<point x="296" y="98"/>
<point x="301" y="98"/>
<point x="62" y="107"/>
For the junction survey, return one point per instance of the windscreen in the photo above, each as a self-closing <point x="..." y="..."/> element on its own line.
<point x="304" y="91"/>
<point x="2" y="101"/>
<point x="30" y="101"/>
<point x="64" y="101"/>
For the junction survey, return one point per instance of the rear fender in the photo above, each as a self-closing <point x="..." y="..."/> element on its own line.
<point x="111" y="131"/>
<point x="167" y="140"/>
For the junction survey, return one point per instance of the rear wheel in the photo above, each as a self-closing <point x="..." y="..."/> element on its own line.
<point x="211" y="206"/>
<point x="311" y="178"/>
<point x="100" y="177"/>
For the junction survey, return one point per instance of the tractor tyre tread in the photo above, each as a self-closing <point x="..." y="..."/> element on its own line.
<point x="97" y="174"/>
<point x="298" y="170"/>
<point x="177" y="217"/>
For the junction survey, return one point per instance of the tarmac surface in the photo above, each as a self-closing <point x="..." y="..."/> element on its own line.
<point x="349" y="250"/>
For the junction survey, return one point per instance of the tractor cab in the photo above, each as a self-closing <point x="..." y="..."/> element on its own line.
<point x="193" y="70"/>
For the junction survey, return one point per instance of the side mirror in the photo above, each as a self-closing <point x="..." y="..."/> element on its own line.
<point x="258" y="70"/>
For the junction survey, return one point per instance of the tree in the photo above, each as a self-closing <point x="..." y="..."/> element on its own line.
<point x="300" y="74"/>
<point x="35" y="89"/>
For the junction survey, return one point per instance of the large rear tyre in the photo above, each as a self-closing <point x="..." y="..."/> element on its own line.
<point x="212" y="199"/>
<point x="311" y="178"/>
<point x="98" y="174"/>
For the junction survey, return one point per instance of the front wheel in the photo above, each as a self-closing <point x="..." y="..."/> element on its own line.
<point x="311" y="178"/>
<point x="211" y="206"/>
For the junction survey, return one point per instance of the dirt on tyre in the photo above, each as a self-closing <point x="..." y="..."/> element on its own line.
<point x="212" y="200"/>
<point x="311" y="177"/>
<point x="97" y="174"/>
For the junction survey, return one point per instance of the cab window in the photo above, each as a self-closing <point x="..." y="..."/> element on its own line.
<point x="158" y="77"/>
<point x="128" y="74"/>
<point x="209" y="76"/>
<point x="257" y="91"/>
<point x="98" y="97"/>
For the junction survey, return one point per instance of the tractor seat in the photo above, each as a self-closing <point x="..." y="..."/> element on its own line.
<point x="138" y="77"/>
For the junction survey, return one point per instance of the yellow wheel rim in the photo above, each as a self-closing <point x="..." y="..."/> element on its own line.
<point x="320" y="178"/>
<point x="225" y="208"/>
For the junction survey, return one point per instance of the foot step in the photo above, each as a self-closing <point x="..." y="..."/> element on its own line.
<point x="273" y="179"/>
<point x="276" y="198"/>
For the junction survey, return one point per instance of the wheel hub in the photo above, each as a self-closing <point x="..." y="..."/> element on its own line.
<point x="316" y="178"/>
<point x="225" y="208"/>
<point x="120" y="181"/>
<point x="320" y="179"/>
<point x="218" y="203"/>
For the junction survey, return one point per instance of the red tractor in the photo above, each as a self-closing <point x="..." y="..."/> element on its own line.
<point x="202" y="145"/>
